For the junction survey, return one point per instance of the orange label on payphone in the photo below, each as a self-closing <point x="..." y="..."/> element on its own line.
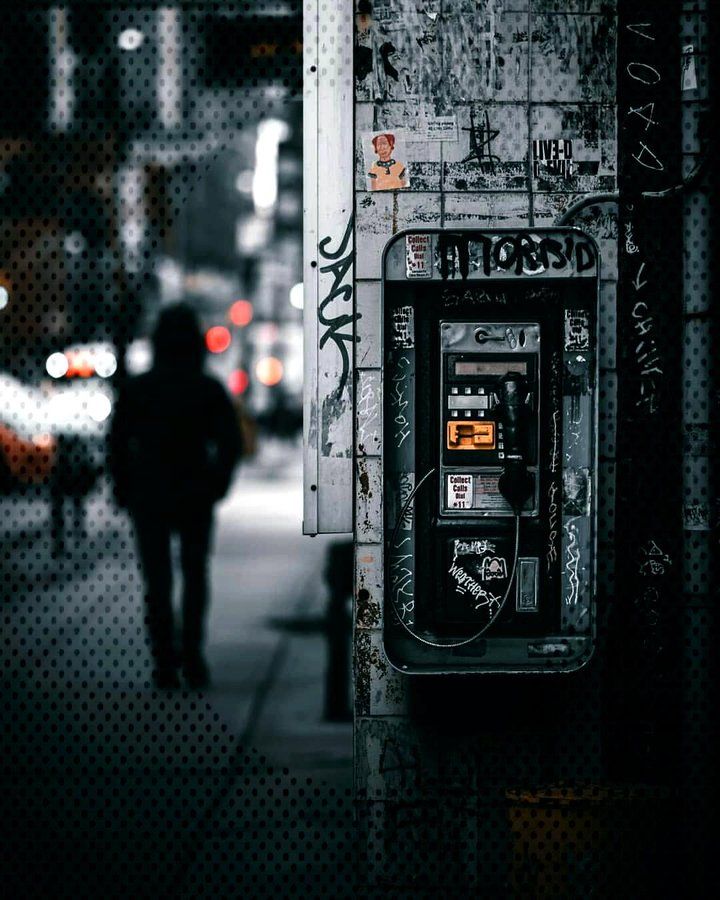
<point x="471" y="435"/>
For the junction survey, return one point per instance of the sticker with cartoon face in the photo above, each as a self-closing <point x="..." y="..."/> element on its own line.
<point x="386" y="169"/>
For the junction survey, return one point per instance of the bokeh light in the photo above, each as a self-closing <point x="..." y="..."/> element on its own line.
<point x="56" y="365"/>
<point x="241" y="313"/>
<point x="217" y="339"/>
<point x="238" y="381"/>
<point x="269" y="371"/>
<point x="296" y="295"/>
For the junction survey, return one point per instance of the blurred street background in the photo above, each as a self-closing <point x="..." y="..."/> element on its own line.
<point x="153" y="156"/>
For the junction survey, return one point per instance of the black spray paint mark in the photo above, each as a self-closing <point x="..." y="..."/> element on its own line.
<point x="386" y="51"/>
<point x="450" y="246"/>
<point x="340" y="267"/>
<point x="518" y="253"/>
<point x="481" y="143"/>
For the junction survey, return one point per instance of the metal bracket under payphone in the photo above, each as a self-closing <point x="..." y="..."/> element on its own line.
<point x="489" y="449"/>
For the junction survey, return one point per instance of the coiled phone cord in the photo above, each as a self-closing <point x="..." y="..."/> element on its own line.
<point x="482" y="631"/>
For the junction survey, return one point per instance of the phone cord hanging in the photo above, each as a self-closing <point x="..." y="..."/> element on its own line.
<point x="482" y="631"/>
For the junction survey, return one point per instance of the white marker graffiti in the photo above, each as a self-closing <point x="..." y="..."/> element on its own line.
<point x="400" y="402"/>
<point x="368" y="417"/>
<point x="401" y="584"/>
<point x="478" y="548"/>
<point x="572" y="563"/>
<point x="653" y="560"/>
<point x="467" y="584"/>
<point x="406" y="484"/>
<point x="553" y="513"/>
<point x="493" y="567"/>
<point x="555" y="405"/>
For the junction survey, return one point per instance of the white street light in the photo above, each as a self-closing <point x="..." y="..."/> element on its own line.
<point x="296" y="295"/>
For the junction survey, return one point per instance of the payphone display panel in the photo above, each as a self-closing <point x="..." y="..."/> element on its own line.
<point x="489" y="447"/>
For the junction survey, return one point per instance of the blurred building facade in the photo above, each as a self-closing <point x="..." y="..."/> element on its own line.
<point x="154" y="157"/>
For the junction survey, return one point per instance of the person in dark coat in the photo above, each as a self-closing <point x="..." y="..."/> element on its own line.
<point x="174" y="442"/>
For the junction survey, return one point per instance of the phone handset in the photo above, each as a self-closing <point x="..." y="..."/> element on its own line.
<point x="516" y="484"/>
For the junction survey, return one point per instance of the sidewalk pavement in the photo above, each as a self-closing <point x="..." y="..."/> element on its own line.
<point x="93" y="759"/>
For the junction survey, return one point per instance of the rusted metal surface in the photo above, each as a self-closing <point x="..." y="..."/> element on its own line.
<point x="381" y="688"/>
<point x="369" y="585"/>
<point x="368" y="513"/>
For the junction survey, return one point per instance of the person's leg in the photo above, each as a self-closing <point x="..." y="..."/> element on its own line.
<point x="58" y="481"/>
<point x="195" y="528"/>
<point x="152" y="534"/>
<point x="57" y="520"/>
<point x="79" y="518"/>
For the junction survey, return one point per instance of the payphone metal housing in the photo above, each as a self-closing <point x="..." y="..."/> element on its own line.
<point x="490" y="449"/>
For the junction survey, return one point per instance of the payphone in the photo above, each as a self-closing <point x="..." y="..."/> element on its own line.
<point x="489" y="449"/>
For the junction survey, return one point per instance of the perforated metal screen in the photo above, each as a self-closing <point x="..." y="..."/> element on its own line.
<point x="112" y="119"/>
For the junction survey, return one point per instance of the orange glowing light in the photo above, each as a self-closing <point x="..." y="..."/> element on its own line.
<point x="217" y="339"/>
<point x="241" y="313"/>
<point x="238" y="381"/>
<point x="269" y="371"/>
<point x="80" y="363"/>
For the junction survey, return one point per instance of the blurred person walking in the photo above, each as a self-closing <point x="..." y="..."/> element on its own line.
<point x="174" y="442"/>
<point x="73" y="477"/>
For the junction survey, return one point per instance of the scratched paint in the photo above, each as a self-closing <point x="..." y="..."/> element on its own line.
<point x="464" y="52"/>
<point x="573" y="58"/>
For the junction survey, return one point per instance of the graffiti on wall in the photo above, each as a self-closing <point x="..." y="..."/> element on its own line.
<point x="481" y="140"/>
<point x="339" y="326"/>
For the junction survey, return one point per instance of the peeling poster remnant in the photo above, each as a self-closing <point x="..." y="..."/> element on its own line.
<point x="373" y="50"/>
<point x="689" y="73"/>
<point x="553" y="157"/>
<point x="403" y="327"/>
<point x="434" y="128"/>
